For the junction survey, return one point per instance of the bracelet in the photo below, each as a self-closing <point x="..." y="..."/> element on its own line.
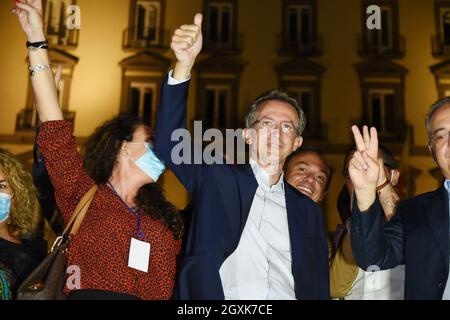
<point x="36" y="44"/>
<point x="45" y="47"/>
<point x="39" y="68"/>
<point x="33" y="46"/>
<point x="383" y="185"/>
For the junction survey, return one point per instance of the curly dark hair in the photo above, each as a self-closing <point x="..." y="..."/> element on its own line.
<point x="101" y="152"/>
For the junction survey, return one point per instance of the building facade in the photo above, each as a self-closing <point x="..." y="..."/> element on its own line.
<point x="319" y="51"/>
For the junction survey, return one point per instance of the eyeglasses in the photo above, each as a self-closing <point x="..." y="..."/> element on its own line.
<point x="286" y="126"/>
<point x="441" y="137"/>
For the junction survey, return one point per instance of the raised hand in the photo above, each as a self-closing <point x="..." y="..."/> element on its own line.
<point x="29" y="13"/>
<point x="186" y="44"/>
<point x="364" y="166"/>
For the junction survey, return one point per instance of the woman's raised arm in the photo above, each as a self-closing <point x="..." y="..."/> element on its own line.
<point x="29" y="13"/>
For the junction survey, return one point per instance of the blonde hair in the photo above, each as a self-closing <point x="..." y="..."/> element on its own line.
<point x="24" y="216"/>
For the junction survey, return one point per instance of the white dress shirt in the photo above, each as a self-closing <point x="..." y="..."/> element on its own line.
<point x="379" y="285"/>
<point x="261" y="266"/>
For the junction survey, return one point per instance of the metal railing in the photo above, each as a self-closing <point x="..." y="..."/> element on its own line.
<point x="146" y="38"/>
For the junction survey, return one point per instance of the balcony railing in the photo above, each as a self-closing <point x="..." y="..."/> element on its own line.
<point x="233" y="46"/>
<point x="312" y="47"/>
<point x="65" y="38"/>
<point x="393" y="47"/>
<point x="27" y="119"/>
<point x="440" y="46"/>
<point x="148" y="38"/>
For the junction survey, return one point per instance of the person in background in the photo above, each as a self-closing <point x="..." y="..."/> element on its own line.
<point x="347" y="280"/>
<point x="21" y="250"/>
<point x="307" y="171"/>
<point x="6" y="282"/>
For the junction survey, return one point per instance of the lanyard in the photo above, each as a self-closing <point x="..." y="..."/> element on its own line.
<point x="138" y="233"/>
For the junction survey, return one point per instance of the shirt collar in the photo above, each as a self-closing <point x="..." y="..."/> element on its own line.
<point x="447" y="185"/>
<point x="263" y="178"/>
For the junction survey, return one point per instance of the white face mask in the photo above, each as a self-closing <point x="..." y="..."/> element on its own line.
<point x="5" y="206"/>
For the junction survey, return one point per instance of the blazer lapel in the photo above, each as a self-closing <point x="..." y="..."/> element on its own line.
<point x="437" y="211"/>
<point x="247" y="188"/>
<point x="299" y="225"/>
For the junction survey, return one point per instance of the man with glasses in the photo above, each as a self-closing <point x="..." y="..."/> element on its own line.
<point x="418" y="235"/>
<point x="251" y="235"/>
<point x="347" y="280"/>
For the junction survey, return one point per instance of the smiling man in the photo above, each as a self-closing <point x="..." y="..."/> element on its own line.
<point x="307" y="171"/>
<point x="251" y="236"/>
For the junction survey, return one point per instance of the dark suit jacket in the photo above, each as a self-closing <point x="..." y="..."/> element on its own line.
<point x="221" y="199"/>
<point x="417" y="236"/>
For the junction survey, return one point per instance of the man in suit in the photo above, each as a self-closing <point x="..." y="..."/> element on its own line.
<point x="418" y="234"/>
<point x="251" y="236"/>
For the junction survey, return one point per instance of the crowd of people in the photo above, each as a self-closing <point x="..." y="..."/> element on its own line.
<point x="254" y="231"/>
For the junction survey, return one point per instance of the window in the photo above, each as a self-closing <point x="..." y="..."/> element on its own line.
<point x="55" y="17"/>
<point x="382" y="38"/>
<point x="217" y="106"/>
<point x="441" y="41"/>
<point x="383" y="94"/>
<point x="299" y="23"/>
<point x="300" y="28"/>
<point x="142" y="75"/>
<point x="301" y="79"/>
<point x="304" y="96"/>
<point x="218" y="91"/>
<point x="381" y="109"/>
<point x="386" y="41"/>
<point x="147" y="21"/>
<point x="143" y="101"/>
<point x="220" y="21"/>
<point x="145" y="28"/>
<point x="220" y="25"/>
<point x="445" y="25"/>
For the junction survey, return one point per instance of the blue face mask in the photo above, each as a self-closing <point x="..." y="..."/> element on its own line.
<point x="5" y="206"/>
<point x="149" y="163"/>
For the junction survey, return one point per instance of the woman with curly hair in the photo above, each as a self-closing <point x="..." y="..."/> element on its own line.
<point x="129" y="240"/>
<point x="20" y="250"/>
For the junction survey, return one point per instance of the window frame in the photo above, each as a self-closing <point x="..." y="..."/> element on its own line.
<point x="313" y="46"/>
<point x="218" y="44"/>
<point x="396" y="47"/>
<point x="71" y="37"/>
<point x="132" y="37"/>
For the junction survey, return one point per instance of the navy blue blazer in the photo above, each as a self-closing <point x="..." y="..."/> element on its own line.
<point x="417" y="236"/>
<point x="221" y="199"/>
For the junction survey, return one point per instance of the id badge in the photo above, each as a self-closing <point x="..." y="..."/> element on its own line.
<point x="139" y="255"/>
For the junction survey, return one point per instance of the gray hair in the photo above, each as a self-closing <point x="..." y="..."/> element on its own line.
<point x="434" y="107"/>
<point x="277" y="95"/>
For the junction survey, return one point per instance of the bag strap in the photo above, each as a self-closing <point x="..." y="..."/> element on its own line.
<point x="80" y="211"/>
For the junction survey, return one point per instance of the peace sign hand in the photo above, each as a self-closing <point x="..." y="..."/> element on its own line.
<point x="364" y="167"/>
